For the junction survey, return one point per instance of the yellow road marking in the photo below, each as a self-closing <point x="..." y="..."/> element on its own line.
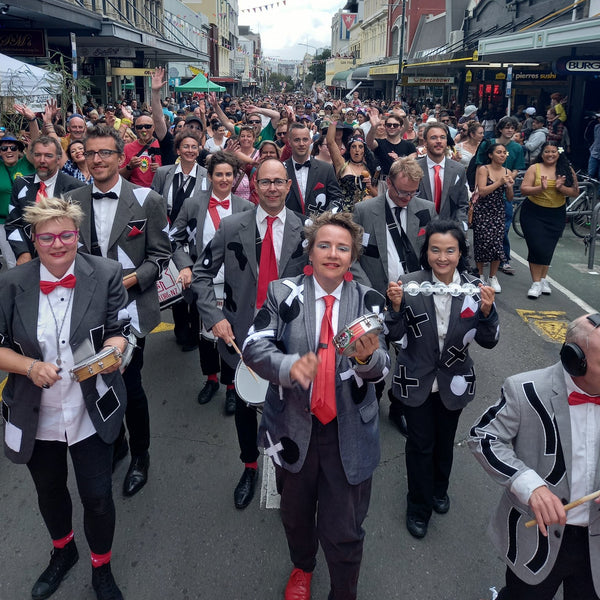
<point x="550" y="324"/>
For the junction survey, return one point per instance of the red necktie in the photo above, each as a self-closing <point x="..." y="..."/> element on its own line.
<point x="323" y="404"/>
<point x="267" y="270"/>
<point x="576" y="398"/>
<point x="47" y="286"/>
<point x="214" y="213"/>
<point x="41" y="192"/>
<point x="437" y="192"/>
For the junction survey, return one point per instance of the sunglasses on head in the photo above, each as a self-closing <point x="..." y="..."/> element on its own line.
<point x="145" y="126"/>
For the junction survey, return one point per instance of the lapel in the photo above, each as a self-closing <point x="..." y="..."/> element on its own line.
<point x="84" y="292"/>
<point x="311" y="181"/>
<point x="425" y="182"/>
<point x="309" y="313"/>
<point x="60" y="184"/>
<point x="170" y="176"/>
<point x="248" y="239"/>
<point x="449" y="177"/>
<point x="27" y="303"/>
<point x="124" y="213"/>
<point x="558" y="400"/>
<point x="380" y="229"/>
<point x="85" y="231"/>
<point x="412" y="226"/>
<point x="293" y="193"/>
<point x="203" y="200"/>
<point x="291" y="237"/>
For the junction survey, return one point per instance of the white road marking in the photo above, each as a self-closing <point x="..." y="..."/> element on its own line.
<point x="269" y="498"/>
<point x="570" y="295"/>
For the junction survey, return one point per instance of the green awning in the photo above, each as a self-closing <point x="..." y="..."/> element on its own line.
<point x="342" y="76"/>
<point x="199" y="84"/>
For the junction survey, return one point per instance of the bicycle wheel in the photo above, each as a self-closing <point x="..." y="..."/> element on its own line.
<point x="581" y="223"/>
<point x="516" y="222"/>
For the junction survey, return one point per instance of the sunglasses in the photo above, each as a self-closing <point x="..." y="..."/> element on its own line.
<point x="254" y="122"/>
<point x="145" y="126"/>
<point x="9" y="148"/>
<point x="392" y="125"/>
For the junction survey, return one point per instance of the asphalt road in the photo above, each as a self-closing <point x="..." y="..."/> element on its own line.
<point x="181" y="538"/>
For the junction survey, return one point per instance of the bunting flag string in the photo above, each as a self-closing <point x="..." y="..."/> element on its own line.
<point x="264" y="7"/>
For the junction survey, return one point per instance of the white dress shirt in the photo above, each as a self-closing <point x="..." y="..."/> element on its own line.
<point x="431" y="173"/>
<point x="585" y="445"/>
<point x="278" y="227"/>
<point x="50" y="183"/>
<point x="395" y="268"/>
<point x="320" y="293"/>
<point x="63" y="416"/>
<point x="186" y="181"/>
<point x="105" y="210"/>
<point x="208" y="233"/>
<point x="443" y="307"/>
<point x="301" y="178"/>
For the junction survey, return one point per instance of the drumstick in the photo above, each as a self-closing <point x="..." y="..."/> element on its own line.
<point x="571" y="505"/>
<point x="240" y="355"/>
<point x="129" y="276"/>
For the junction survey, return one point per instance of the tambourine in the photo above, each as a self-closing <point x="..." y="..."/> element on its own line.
<point x="95" y="364"/>
<point x="412" y="288"/>
<point x="345" y="340"/>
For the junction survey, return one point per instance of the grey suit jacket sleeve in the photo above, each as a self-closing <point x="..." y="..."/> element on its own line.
<point x="459" y="196"/>
<point x="158" y="246"/>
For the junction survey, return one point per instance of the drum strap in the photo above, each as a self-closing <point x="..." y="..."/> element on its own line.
<point x="181" y="190"/>
<point x="406" y="252"/>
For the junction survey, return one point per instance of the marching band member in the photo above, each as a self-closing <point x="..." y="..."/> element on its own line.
<point x="434" y="376"/>
<point x="255" y="247"/>
<point x="50" y="307"/>
<point x="324" y="441"/>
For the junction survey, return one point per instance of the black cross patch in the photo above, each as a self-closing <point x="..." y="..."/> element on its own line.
<point x="457" y="354"/>
<point x="415" y="320"/>
<point x="404" y="381"/>
<point x="470" y="379"/>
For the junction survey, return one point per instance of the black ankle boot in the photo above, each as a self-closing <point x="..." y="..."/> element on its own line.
<point x="61" y="560"/>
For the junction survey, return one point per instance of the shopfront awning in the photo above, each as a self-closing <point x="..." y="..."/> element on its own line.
<point x="581" y="34"/>
<point x="361" y="73"/>
<point x="342" y="79"/>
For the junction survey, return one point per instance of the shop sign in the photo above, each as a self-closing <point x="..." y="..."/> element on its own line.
<point x="132" y="72"/>
<point x="23" y="42"/>
<point x="415" y="80"/>
<point x="500" y="76"/>
<point x="107" y="51"/>
<point x="579" y="64"/>
<point x="536" y="76"/>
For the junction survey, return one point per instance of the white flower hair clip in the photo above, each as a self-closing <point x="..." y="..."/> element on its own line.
<point x="560" y="149"/>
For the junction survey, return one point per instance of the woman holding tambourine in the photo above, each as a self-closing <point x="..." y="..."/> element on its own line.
<point x="55" y="311"/>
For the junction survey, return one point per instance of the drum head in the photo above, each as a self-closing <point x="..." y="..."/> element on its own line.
<point x="248" y="389"/>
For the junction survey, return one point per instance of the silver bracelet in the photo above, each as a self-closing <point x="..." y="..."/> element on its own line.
<point x="31" y="368"/>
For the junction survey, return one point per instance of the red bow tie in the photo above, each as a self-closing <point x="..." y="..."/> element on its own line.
<point x="47" y="286"/>
<point x="575" y="398"/>
<point x="222" y="203"/>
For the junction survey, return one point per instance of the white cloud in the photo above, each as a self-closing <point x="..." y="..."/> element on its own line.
<point x="285" y="29"/>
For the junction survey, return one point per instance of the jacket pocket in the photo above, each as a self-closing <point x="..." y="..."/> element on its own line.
<point x="369" y="412"/>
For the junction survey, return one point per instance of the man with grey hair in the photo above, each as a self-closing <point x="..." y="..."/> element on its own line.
<point x="541" y="442"/>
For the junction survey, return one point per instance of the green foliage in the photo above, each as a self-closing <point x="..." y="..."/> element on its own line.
<point x="316" y="71"/>
<point x="275" y="80"/>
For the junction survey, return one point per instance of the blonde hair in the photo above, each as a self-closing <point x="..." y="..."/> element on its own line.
<point x="408" y="167"/>
<point x="48" y="209"/>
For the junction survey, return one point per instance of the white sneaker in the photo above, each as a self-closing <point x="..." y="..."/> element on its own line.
<point x="535" y="291"/>
<point x="493" y="281"/>
<point x="546" y="289"/>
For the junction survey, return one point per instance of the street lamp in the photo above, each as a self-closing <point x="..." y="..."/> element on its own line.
<point x="401" y="50"/>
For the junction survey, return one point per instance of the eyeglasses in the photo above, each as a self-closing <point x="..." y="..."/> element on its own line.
<point x="255" y="122"/>
<point x="47" y="239"/>
<point x="100" y="153"/>
<point x="392" y="125"/>
<point x="145" y="126"/>
<point x="266" y="183"/>
<point x="445" y="120"/>
<point x="190" y="126"/>
<point x="9" y="148"/>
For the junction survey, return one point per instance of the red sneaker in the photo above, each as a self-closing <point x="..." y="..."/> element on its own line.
<point x="298" y="585"/>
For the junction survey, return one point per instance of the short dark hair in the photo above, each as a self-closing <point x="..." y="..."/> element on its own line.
<point x="454" y="229"/>
<point x="46" y="140"/>
<point x="504" y="121"/>
<point x="104" y="131"/>
<point x="221" y="158"/>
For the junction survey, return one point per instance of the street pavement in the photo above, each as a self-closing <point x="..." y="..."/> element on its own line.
<point x="181" y="537"/>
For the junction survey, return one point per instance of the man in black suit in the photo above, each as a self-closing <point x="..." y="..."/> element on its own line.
<point x="314" y="187"/>
<point x="47" y="182"/>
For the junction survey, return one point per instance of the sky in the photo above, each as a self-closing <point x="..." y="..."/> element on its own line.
<point x="284" y="28"/>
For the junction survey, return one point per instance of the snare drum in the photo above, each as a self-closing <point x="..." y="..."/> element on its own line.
<point x="251" y="391"/>
<point x="94" y="364"/>
<point x="345" y="340"/>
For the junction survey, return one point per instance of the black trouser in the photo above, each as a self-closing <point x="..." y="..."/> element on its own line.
<point x="429" y="452"/>
<point x="92" y="463"/>
<point x="211" y="361"/>
<point x="183" y="321"/>
<point x="246" y="424"/>
<point x="137" y="416"/>
<point x="572" y="568"/>
<point x="319" y="505"/>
